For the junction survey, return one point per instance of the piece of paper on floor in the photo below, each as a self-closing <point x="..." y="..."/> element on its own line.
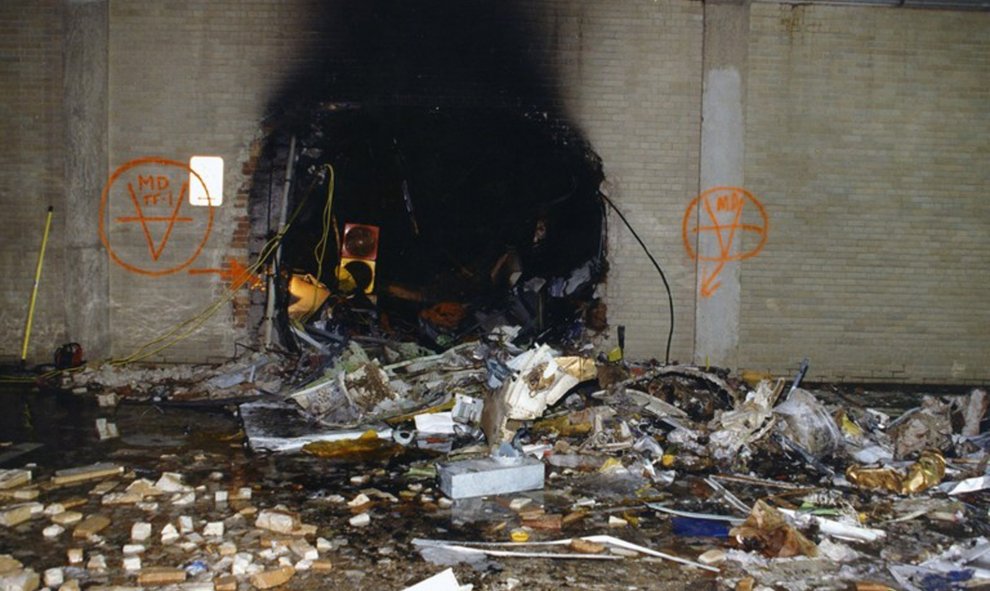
<point x="445" y="581"/>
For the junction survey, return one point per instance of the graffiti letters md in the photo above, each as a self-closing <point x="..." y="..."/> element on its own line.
<point x="146" y="221"/>
<point x="722" y="225"/>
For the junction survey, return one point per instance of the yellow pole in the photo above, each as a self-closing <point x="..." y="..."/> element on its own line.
<point x="34" y="291"/>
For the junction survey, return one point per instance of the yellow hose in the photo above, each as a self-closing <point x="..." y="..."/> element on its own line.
<point x="34" y="291"/>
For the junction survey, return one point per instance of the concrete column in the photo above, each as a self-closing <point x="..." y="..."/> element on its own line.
<point x="86" y="98"/>
<point x="722" y="151"/>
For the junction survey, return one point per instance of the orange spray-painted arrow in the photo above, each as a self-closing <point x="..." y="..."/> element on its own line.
<point x="234" y="273"/>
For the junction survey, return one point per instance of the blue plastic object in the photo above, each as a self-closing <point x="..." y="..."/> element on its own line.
<point x="689" y="526"/>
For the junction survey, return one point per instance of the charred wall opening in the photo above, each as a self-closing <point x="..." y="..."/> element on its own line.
<point x="436" y="127"/>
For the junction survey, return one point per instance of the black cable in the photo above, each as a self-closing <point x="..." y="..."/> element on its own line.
<point x="670" y="297"/>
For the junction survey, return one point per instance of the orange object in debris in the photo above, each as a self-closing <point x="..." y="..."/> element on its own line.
<point x="308" y="293"/>
<point x="447" y="315"/>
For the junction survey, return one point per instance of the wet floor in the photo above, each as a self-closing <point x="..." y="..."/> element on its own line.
<point x="205" y="445"/>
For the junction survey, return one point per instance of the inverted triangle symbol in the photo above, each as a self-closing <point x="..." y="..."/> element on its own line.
<point x="156" y="249"/>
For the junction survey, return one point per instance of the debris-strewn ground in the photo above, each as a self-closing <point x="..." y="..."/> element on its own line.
<point x="653" y="477"/>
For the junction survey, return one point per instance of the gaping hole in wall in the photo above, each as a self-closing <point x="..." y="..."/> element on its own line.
<point x="438" y="223"/>
<point x="437" y="190"/>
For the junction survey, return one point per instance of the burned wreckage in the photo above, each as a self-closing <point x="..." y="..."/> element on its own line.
<point x="434" y="226"/>
<point x="433" y="411"/>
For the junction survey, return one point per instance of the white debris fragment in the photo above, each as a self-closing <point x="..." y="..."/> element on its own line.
<point x="360" y="520"/>
<point x="713" y="556"/>
<point x="132" y="563"/>
<point x="444" y="581"/>
<point x="220" y="497"/>
<point x="358" y="501"/>
<point x="97" y="563"/>
<point x="74" y="555"/>
<point x="277" y="521"/>
<point x="52" y="531"/>
<point x="54" y="509"/>
<point x="183" y="499"/>
<point x="54" y="577"/>
<point x="106" y="429"/>
<point x="273" y="553"/>
<point x="213" y="529"/>
<point x="185" y="524"/>
<point x="108" y="399"/>
<point x="140" y="531"/>
<point x="519" y="502"/>
<point x="303" y="549"/>
<point x="169" y="534"/>
<point x="242" y="563"/>
<point x="132" y="549"/>
<point x="171" y="482"/>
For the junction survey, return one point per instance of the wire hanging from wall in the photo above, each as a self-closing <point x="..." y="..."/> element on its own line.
<point x="666" y="285"/>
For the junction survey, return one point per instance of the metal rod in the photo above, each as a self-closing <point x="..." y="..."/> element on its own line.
<point x="269" y="320"/>
<point x="34" y="290"/>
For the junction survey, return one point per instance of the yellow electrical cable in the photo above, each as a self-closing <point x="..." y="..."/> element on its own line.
<point x="186" y="328"/>
<point x="320" y="250"/>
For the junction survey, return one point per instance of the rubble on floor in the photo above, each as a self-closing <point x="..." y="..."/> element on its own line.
<point x="243" y="378"/>
<point x="507" y="463"/>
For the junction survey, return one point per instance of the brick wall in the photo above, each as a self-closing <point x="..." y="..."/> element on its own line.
<point x="31" y="126"/>
<point x="631" y="77"/>
<point x="867" y="140"/>
<point x="193" y="78"/>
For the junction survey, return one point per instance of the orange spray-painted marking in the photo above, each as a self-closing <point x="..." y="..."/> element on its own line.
<point x="719" y="203"/>
<point x="234" y="273"/>
<point x="148" y="189"/>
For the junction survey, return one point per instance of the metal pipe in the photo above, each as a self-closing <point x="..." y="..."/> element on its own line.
<point x="269" y="320"/>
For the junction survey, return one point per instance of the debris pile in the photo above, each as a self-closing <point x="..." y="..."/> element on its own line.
<point x="520" y="453"/>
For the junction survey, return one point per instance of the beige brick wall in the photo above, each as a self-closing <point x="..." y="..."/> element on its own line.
<point x="867" y="140"/>
<point x="190" y="78"/>
<point x="632" y="82"/>
<point x="31" y="176"/>
<point x="632" y="71"/>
